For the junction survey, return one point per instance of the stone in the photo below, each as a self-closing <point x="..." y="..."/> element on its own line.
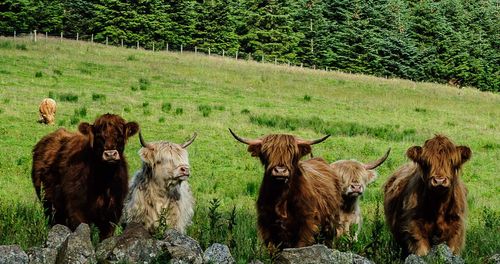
<point x="39" y="255"/>
<point x="318" y="254"/>
<point x="135" y="245"/>
<point x="495" y="259"/>
<point x="57" y="235"/>
<point x="218" y="253"/>
<point x="78" y="247"/>
<point x="182" y="248"/>
<point x="439" y="254"/>
<point x="13" y="254"/>
<point x="348" y="257"/>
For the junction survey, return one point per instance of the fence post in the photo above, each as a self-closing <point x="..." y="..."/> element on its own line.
<point x="77" y="36"/>
<point x="34" y="34"/>
<point x="15" y="34"/>
<point x="46" y="35"/>
<point x="236" y="55"/>
<point x="137" y="44"/>
<point x="208" y="51"/>
<point x="106" y="40"/>
<point x="121" y="42"/>
<point x="249" y="56"/>
<point x="31" y="35"/>
<point x="262" y="58"/>
<point x="181" y="48"/>
<point x="92" y="39"/>
<point x="301" y="65"/>
<point x="223" y="51"/>
<point x="275" y="60"/>
<point x="167" y="46"/>
<point x="195" y="50"/>
<point x="153" y="46"/>
<point x="61" y="36"/>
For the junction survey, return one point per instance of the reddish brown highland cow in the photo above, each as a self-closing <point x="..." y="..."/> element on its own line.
<point x="83" y="177"/>
<point x="298" y="200"/>
<point x="425" y="200"/>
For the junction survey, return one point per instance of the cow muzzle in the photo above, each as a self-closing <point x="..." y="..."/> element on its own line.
<point x="440" y="181"/>
<point x="111" y="156"/>
<point x="183" y="173"/>
<point x="280" y="173"/>
<point x="355" y="190"/>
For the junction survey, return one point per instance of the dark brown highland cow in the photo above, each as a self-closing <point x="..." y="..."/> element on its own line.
<point x="297" y="199"/>
<point x="425" y="200"/>
<point x="83" y="177"/>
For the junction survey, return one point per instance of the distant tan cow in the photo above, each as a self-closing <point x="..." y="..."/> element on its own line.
<point x="47" y="111"/>
<point x="355" y="176"/>
<point x="425" y="201"/>
<point x="161" y="187"/>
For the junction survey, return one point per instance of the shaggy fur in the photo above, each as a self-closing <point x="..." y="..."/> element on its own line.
<point x="298" y="200"/>
<point x="161" y="186"/>
<point x="47" y="110"/>
<point x="355" y="176"/>
<point x="425" y="200"/>
<point x="82" y="177"/>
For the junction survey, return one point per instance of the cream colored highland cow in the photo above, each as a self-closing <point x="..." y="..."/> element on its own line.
<point x="355" y="177"/>
<point x="161" y="187"/>
<point x="47" y="110"/>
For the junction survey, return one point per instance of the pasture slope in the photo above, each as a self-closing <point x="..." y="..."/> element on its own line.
<point x="172" y="95"/>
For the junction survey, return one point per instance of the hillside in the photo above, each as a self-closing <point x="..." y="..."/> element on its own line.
<point x="172" y="95"/>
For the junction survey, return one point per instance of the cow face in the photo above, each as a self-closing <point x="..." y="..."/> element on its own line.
<point x="169" y="161"/>
<point x="108" y="135"/>
<point x="355" y="176"/>
<point x="440" y="160"/>
<point x="279" y="153"/>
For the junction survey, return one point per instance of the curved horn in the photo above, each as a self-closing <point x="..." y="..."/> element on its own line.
<point x="244" y="140"/>
<point x="187" y="143"/>
<point x="143" y="143"/>
<point x="312" y="142"/>
<point x="373" y="165"/>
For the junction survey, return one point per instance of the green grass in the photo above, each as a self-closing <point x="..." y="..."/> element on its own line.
<point x="168" y="94"/>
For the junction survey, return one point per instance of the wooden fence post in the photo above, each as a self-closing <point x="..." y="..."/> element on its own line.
<point x="262" y="58"/>
<point x="34" y="34"/>
<point x="121" y="42"/>
<point x="195" y="50"/>
<point x="181" y="48"/>
<point x="15" y="34"/>
<point x="275" y="60"/>
<point x="236" y="55"/>
<point x="61" y="36"/>
<point x="46" y="36"/>
<point x="92" y="39"/>
<point x="223" y="51"/>
<point x="137" y="44"/>
<point x="208" y="51"/>
<point x="77" y="36"/>
<point x="106" y="40"/>
<point x="167" y="46"/>
<point x="153" y="46"/>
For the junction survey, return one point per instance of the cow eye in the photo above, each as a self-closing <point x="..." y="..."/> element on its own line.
<point x="158" y="162"/>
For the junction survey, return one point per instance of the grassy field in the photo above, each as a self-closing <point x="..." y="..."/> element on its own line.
<point x="172" y="95"/>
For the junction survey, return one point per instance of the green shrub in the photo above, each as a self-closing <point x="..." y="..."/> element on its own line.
<point x="21" y="46"/>
<point x="38" y="74"/>
<point x="245" y="111"/>
<point x="68" y="97"/>
<point x="166" y="107"/>
<point x="179" y="111"/>
<point x="161" y="120"/>
<point x="307" y="98"/>
<point x="98" y="97"/>
<point x="57" y="72"/>
<point x="205" y="110"/>
<point x="126" y="109"/>
<point x="144" y="83"/>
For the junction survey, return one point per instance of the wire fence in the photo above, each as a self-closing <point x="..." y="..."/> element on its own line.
<point x="163" y="46"/>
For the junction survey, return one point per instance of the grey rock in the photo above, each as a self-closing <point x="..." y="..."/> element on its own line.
<point x="218" y="253"/>
<point x="135" y="245"/>
<point x="57" y="235"/>
<point x="348" y="257"/>
<point x="306" y="255"/>
<point x="255" y="261"/>
<point x="319" y="254"/>
<point x="12" y="254"/>
<point x="39" y="255"/>
<point x="438" y="254"/>
<point x="495" y="259"/>
<point x="182" y="248"/>
<point x="77" y="248"/>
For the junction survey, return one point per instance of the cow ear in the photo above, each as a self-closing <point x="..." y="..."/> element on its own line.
<point x="87" y="129"/>
<point x="131" y="128"/>
<point x="414" y="153"/>
<point x="371" y="176"/>
<point x="465" y="153"/>
<point x="304" y="149"/>
<point x="254" y="149"/>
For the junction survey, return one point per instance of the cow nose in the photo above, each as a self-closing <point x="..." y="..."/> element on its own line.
<point x="357" y="188"/>
<point x="280" y="171"/>
<point x="184" y="170"/>
<point x="436" y="181"/>
<point x="110" y="155"/>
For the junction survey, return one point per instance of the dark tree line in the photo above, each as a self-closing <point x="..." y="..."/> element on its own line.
<point x="429" y="40"/>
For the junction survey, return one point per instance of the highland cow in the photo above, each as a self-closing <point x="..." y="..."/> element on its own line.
<point x="425" y="200"/>
<point x="298" y="200"/>
<point x="47" y="110"/>
<point x="83" y="177"/>
<point x="355" y="176"/>
<point x="161" y="187"/>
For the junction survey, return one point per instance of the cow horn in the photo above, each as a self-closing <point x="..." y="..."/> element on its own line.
<point x="143" y="143"/>
<point x="373" y="165"/>
<point x="312" y="142"/>
<point x="187" y="143"/>
<point x="244" y="140"/>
